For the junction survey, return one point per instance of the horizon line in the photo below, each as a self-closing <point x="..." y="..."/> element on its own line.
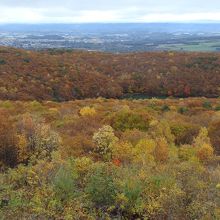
<point x="118" y="22"/>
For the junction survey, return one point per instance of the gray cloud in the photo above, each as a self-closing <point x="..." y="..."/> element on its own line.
<point x="111" y="10"/>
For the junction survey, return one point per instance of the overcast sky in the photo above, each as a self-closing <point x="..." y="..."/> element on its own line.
<point x="77" y="11"/>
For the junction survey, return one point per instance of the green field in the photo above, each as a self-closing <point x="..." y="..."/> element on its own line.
<point x="200" y="46"/>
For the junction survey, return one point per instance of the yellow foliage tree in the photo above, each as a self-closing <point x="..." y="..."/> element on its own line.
<point x="87" y="111"/>
<point x="122" y="151"/>
<point x="202" y="138"/>
<point x="23" y="153"/>
<point x="143" y="151"/>
<point x="186" y="152"/>
<point x="161" y="129"/>
<point x="202" y="143"/>
<point x="161" y="150"/>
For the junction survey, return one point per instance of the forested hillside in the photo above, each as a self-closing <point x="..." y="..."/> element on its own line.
<point x="104" y="158"/>
<point x="66" y="75"/>
<point x="110" y="159"/>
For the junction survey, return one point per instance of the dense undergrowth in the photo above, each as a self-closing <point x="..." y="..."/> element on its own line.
<point x="110" y="159"/>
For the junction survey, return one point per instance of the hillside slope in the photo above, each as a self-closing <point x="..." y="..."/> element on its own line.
<point x="66" y="75"/>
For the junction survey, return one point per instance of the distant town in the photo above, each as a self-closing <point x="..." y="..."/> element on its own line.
<point x="117" y="38"/>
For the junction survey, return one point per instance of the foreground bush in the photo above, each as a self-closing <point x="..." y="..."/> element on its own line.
<point x="67" y="165"/>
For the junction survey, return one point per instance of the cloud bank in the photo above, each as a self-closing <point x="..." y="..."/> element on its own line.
<point x="75" y="11"/>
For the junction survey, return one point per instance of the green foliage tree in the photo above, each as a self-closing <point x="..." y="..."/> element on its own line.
<point x="127" y="120"/>
<point x="65" y="183"/>
<point x="101" y="187"/>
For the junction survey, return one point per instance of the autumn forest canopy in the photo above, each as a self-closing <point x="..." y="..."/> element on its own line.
<point x="62" y="75"/>
<point x="76" y="142"/>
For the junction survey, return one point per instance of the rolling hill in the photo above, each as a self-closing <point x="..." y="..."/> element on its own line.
<point x="63" y="75"/>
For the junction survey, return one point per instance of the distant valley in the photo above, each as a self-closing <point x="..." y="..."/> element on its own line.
<point x="116" y="38"/>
